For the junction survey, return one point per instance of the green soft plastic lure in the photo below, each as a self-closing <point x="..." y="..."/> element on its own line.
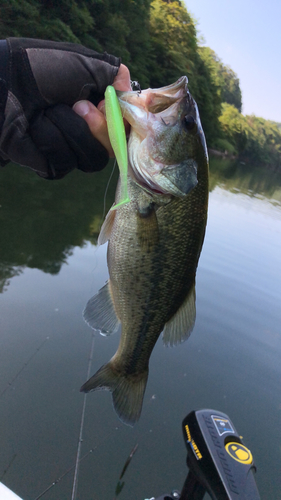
<point x="117" y="137"/>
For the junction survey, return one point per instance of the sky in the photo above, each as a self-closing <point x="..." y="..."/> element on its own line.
<point x="246" y="35"/>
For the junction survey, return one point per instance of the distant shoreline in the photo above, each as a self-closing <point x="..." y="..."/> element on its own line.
<point x="242" y="160"/>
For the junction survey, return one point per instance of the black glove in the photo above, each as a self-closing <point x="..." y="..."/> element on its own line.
<point x="39" y="83"/>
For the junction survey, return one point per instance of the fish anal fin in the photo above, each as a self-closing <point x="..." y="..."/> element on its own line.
<point x="180" y="326"/>
<point x="99" y="312"/>
<point x="106" y="228"/>
<point x="127" y="391"/>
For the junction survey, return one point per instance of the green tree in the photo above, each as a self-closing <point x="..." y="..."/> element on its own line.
<point x="263" y="142"/>
<point x="234" y="127"/>
<point x="175" y="52"/>
<point x="173" y="42"/>
<point x="122" y="29"/>
<point x="223" y="77"/>
<point x="254" y="139"/>
<point x="231" y="92"/>
<point x="157" y="40"/>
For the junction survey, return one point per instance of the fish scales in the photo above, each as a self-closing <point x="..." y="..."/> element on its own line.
<point x="154" y="242"/>
<point x="153" y="283"/>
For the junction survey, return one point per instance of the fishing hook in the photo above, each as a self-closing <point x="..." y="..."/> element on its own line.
<point x="137" y="86"/>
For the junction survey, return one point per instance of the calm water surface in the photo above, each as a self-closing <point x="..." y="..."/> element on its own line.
<point x="50" y="267"/>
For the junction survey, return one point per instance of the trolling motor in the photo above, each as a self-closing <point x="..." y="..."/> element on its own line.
<point x="218" y="461"/>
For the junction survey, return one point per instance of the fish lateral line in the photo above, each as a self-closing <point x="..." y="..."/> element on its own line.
<point x="117" y="137"/>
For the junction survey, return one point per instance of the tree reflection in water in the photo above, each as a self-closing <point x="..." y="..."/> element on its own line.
<point x="42" y="221"/>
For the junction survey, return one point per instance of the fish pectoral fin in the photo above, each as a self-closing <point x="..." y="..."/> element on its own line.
<point x="99" y="312"/>
<point x="180" y="326"/>
<point x="106" y="228"/>
<point x="127" y="391"/>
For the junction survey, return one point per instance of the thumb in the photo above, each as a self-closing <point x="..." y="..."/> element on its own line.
<point x="96" y="122"/>
<point x="122" y="80"/>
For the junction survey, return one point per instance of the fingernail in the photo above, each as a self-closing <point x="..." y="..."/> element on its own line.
<point x="82" y="108"/>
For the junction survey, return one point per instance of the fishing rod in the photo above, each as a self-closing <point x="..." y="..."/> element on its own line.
<point x="8" y="466"/>
<point x="9" y="384"/>
<point x="80" y="439"/>
<point x="218" y="461"/>
<point x="54" y="483"/>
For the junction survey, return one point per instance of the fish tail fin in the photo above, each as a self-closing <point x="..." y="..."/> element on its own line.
<point x="127" y="391"/>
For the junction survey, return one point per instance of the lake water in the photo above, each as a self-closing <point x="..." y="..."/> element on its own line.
<point x="50" y="267"/>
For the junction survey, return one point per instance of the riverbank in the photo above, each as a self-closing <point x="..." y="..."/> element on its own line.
<point x="226" y="155"/>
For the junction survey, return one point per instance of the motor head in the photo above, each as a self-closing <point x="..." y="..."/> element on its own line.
<point x="218" y="461"/>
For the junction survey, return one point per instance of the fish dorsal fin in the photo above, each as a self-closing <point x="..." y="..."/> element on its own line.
<point x="180" y="326"/>
<point x="106" y="228"/>
<point x="99" y="312"/>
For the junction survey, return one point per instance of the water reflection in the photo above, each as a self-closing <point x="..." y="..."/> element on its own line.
<point x="41" y="222"/>
<point x="231" y="362"/>
<point x="244" y="178"/>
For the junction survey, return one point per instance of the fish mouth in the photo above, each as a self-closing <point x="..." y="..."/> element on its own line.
<point x="152" y="114"/>
<point x="137" y="104"/>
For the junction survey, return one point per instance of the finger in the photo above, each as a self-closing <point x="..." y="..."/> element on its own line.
<point x="65" y="141"/>
<point x="96" y="122"/>
<point x="122" y="81"/>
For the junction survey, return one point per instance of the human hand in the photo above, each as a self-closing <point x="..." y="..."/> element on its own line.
<point x="38" y="87"/>
<point x="94" y="116"/>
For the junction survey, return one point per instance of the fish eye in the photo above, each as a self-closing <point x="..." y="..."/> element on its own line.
<point x="189" y="122"/>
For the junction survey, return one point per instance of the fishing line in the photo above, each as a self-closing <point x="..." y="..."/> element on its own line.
<point x="73" y="466"/>
<point x="80" y="439"/>
<point x="62" y="476"/>
<point x="76" y="471"/>
<point x="106" y="189"/>
<point x="23" y="367"/>
<point x="109" y="180"/>
<point x="105" y="195"/>
<point x="78" y="459"/>
<point x="8" y="466"/>
<point x="103" y="215"/>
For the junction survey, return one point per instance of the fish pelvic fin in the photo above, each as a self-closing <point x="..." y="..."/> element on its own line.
<point x="127" y="391"/>
<point x="107" y="226"/>
<point x="180" y="326"/>
<point x="99" y="312"/>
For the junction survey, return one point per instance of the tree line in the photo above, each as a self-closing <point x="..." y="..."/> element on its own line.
<point x="157" y="40"/>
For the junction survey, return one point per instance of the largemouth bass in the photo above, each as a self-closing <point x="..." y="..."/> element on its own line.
<point x="154" y="241"/>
